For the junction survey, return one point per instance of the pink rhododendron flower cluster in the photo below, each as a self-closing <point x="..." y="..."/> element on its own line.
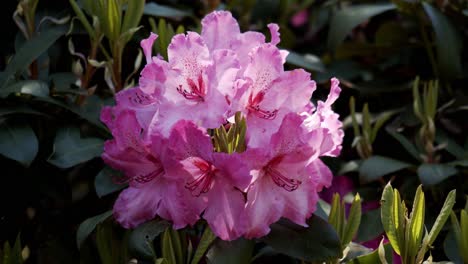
<point x="164" y="134"/>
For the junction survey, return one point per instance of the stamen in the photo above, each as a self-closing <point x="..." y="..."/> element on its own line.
<point x="197" y="91"/>
<point x="254" y="107"/>
<point x="204" y="182"/>
<point x="282" y="181"/>
<point x="140" y="98"/>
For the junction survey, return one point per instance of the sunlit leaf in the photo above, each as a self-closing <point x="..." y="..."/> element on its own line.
<point x="387" y="217"/>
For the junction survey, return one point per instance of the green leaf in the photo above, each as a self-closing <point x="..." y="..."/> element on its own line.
<point x="153" y="9"/>
<point x="438" y="225"/>
<point x="431" y="174"/>
<point x="374" y="257"/>
<point x="18" y="141"/>
<point x="448" y="43"/>
<point x="31" y="87"/>
<point x="85" y="228"/>
<point x="317" y="242"/>
<point x="442" y="217"/>
<point x="344" y="20"/>
<point x="133" y="14"/>
<point x="451" y="146"/>
<point x="416" y="223"/>
<point x="387" y="213"/>
<point x="171" y="247"/>
<point x="354" y="219"/>
<point x="29" y="52"/>
<point x="205" y="242"/>
<point x="451" y="248"/>
<point x="70" y="149"/>
<point x="231" y="252"/>
<point x="410" y="148"/>
<point x="104" y="184"/>
<point x="370" y="227"/>
<point x="309" y="62"/>
<point x="141" y="238"/>
<point x="377" y="166"/>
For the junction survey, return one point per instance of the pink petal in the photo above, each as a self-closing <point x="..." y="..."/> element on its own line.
<point x="147" y="46"/>
<point x="224" y="212"/>
<point x="275" y="35"/>
<point x="137" y="205"/>
<point x="219" y="29"/>
<point x="189" y="54"/>
<point x="178" y="205"/>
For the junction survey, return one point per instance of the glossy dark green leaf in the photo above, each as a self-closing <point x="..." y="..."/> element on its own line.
<point x="309" y="62"/>
<point x="371" y="226"/>
<point x="141" y="238"/>
<point x="409" y="147"/>
<point x="451" y="248"/>
<point x="4" y="111"/>
<point x="31" y="87"/>
<point x="430" y="174"/>
<point x="448" y="43"/>
<point x="345" y="19"/>
<point x="31" y="51"/>
<point x="104" y="183"/>
<point x="377" y="166"/>
<point x="318" y="242"/>
<point x="70" y="149"/>
<point x="231" y="252"/>
<point x="153" y="9"/>
<point x="85" y="228"/>
<point x="18" y="141"/>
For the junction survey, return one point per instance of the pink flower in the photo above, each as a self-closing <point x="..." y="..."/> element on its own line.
<point x="192" y="85"/>
<point x="324" y="117"/>
<point x="164" y="134"/>
<point x="300" y="18"/>
<point x="269" y="93"/>
<point x="285" y="179"/>
<point x="215" y="178"/>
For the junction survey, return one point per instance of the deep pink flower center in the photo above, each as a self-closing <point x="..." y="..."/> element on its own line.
<point x="196" y="91"/>
<point x="204" y="181"/>
<point x="143" y="178"/>
<point x="278" y="178"/>
<point x="254" y="107"/>
<point x="140" y="98"/>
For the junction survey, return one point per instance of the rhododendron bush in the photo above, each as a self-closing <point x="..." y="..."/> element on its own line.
<point x="237" y="131"/>
<point x="222" y="132"/>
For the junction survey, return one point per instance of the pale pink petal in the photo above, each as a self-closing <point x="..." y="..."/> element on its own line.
<point x="189" y="54"/>
<point x="275" y="35"/>
<point x="147" y="46"/>
<point x="219" y="29"/>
